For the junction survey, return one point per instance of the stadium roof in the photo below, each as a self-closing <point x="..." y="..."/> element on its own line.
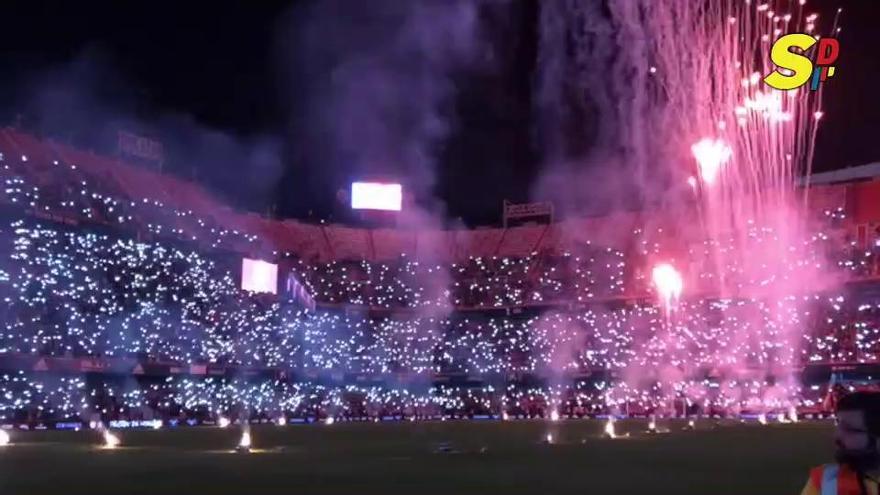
<point x="850" y="174"/>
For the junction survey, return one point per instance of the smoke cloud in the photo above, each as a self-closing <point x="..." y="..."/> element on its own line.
<point x="86" y="102"/>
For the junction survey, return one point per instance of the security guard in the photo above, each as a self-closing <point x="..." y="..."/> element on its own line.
<point x="857" y="469"/>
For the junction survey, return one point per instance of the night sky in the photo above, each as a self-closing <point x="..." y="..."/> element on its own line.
<point x="226" y="75"/>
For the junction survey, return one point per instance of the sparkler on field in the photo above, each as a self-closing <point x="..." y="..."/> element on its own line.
<point x="4" y="438"/>
<point x="330" y="420"/>
<point x="223" y="422"/>
<point x="554" y="415"/>
<point x="652" y="424"/>
<point x="244" y="444"/>
<point x="792" y="414"/>
<point x="609" y="428"/>
<point x="111" y="441"/>
<point x="762" y="418"/>
<point x="282" y="420"/>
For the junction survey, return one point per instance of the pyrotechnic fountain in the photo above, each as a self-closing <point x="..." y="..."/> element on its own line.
<point x="610" y="431"/>
<point x="111" y="441"/>
<point x="686" y="104"/>
<point x="4" y="438"/>
<point x="244" y="444"/>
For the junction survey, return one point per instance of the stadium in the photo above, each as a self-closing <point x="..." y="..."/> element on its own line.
<point x="698" y="336"/>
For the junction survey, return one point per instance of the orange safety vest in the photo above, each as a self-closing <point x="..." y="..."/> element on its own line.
<point x="835" y="479"/>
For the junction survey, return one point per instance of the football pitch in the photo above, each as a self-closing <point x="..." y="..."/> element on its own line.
<point x="439" y="457"/>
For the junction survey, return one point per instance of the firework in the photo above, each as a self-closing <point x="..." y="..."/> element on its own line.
<point x="688" y="101"/>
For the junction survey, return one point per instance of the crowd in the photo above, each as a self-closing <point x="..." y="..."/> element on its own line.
<point x="478" y="282"/>
<point x="70" y="292"/>
<point x="524" y="336"/>
<point x="46" y="399"/>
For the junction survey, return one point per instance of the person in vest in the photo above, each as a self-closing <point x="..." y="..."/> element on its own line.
<point x="857" y="470"/>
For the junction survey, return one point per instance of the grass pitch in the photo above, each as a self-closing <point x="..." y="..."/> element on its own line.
<point x="487" y="458"/>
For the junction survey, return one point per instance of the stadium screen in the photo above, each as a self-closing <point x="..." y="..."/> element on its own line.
<point x="376" y="196"/>
<point x="259" y="276"/>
